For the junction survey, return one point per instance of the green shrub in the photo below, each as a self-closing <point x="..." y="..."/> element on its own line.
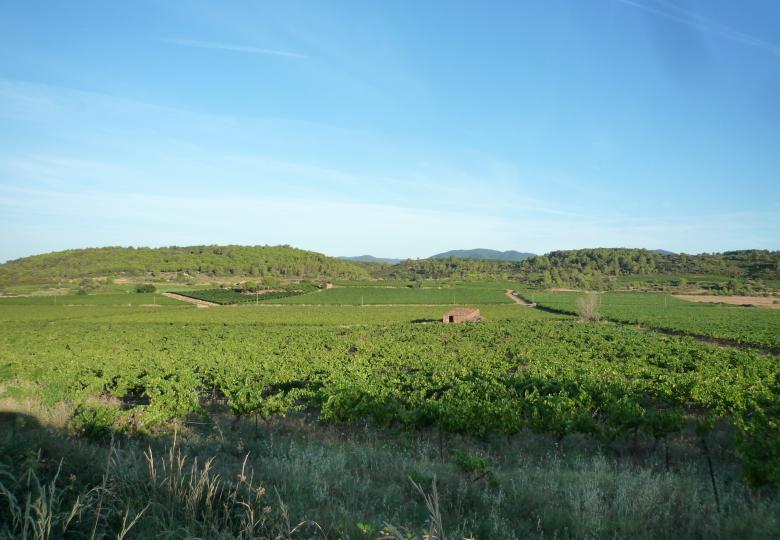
<point x="475" y="467"/>
<point x="145" y="288"/>
<point x="94" y="421"/>
<point x="88" y="283"/>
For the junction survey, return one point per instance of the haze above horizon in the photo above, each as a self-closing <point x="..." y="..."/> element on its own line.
<point x="395" y="129"/>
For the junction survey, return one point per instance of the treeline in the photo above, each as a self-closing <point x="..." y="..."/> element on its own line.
<point x="605" y="268"/>
<point x="252" y="262"/>
<point x="449" y="268"/>
<point x="602" y="268"/>
<point x="616" y="262"/>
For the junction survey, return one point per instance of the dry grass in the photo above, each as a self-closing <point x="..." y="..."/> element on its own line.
<point x="303" y="479"/>
<point x="588" y="307"/>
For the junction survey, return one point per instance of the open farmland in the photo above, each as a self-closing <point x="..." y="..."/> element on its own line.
<point x="117" y="299"/>
<point x="231" y="296"/>
<point x="388" y="296"/>
<point x="747" y="301"/>
<point x="390" y="270"/>
<point x="547" y="374"/>
<point x="553" y="389"/>
<point x="743" y="325"/>
<point x="260" y="315"/>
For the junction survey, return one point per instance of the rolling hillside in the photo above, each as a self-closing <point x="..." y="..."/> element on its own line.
<point x="253" y="262"/>
<point x="606" y="268"/>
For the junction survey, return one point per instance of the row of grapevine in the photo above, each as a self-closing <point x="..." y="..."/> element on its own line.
<point x="548" y="375"/>
<point x="238" y="296"/>
<point x="758" y="327"/>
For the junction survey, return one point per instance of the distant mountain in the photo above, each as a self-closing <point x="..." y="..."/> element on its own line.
<point x="371" y="259"/>
<point x="485" y="254"/>
<point x="663" y="252"/>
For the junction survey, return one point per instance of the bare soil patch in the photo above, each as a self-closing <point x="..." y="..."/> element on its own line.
<point x="199" y="303"/>
<point x="757" y="301"/>
<point x="514" y="296"/>
<point x="563" y="289"/>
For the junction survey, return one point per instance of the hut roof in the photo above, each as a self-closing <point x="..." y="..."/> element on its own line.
<point x="462" y="311"/>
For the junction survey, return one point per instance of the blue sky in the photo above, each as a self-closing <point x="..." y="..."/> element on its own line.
<point x="392" y="128"/>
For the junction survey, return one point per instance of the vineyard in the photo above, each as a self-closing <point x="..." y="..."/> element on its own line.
<point x="403" y="295"/>
<point x="532" y="372"/>
<point x="118" y="299"/>
<point x="742" y="325"/>
<point x="234" y="296"/>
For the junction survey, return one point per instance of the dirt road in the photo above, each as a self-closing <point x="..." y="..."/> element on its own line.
<point x="511" y="294"/>
<point x="199" y="303"/>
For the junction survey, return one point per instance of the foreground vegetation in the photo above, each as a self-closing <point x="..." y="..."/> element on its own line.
<point x="548" y="375"/>
<point x="300" y="479"/>
<point x="340" y="420"/>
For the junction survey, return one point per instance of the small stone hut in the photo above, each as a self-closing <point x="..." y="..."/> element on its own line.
<point x="461" y="315"/>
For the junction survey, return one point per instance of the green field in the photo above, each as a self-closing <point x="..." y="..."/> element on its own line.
<point x="744" y="325"/>
<point x="387" y="296"/>
<point x="328" y="396"/>
<point x="424" y="283"/>
<point x="565" y="382"/>
<point x="386" y="378"/>
<point x="115" y="299"/>
<point x="672" y="278"/>
<point x="262" y="314"/>
<point x="227" y="297"/>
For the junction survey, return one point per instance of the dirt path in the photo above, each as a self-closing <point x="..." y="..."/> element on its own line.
<point x="517" y="299"/>
<point x="199" y="303"/>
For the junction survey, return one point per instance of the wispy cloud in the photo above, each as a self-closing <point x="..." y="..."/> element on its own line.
<point x="129" y="173"/>
<point x="104" y="145"/>
<point x="213" y="45"/>
<point x="669" y="11"/>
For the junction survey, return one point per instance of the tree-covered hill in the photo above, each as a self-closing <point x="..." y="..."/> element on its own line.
<point x="757" y="264"/>
<point x="414" y="269"/>
<point x="255" y="262"/>
<point x="604" y="268"/>
<point x="601" y="268"/>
